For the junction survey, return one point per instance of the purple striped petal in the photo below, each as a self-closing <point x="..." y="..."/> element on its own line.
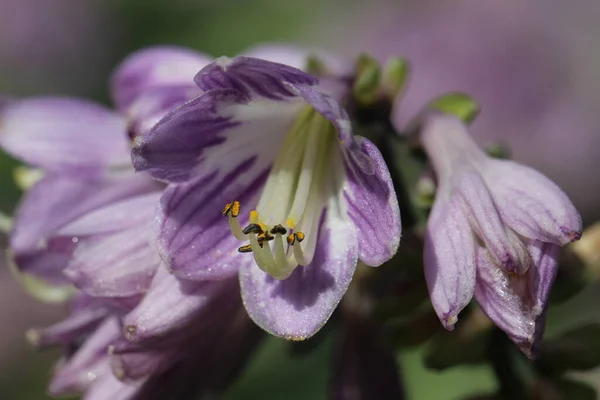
<point x="170" y="304"/>
<point x="154" y="67"/>
<point x="449" y="260"/>
<point x="532" y="204"/>
<point x="517" y="303"/>
<point x="195" y="240"/>
<point x="505" y="247"/>
<point x="253" y="77"/>
<point x="114" y="255"/>
<point x="61" y="133"/>
<point x="147" y="110"/>
<point x="373" y="208"/>
<point x="214" y="132"/>
<point x="297" y="307"/>
<point x="90" y="361"/>
<point x="118" y="265"/>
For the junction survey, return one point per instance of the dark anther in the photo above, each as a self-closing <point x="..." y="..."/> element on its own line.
<point x="245" y="249"/>
<point x="252" y="228"/>
<point x="278" y="229"/>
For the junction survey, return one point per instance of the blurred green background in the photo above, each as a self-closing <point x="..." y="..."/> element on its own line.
<point x="69" y="47"/>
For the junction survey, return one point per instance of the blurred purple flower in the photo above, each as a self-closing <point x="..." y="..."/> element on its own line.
<point x="494" y="232"/>
<point x="525" y="63"/>
<point x="44" y="44"/>
<point x="264" y="135"/>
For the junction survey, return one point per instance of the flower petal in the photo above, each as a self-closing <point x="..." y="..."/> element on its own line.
<point x="449" y="260"/>
<point x="373" y="207"/>
<point x="297" y="307"/>
<point x="515" y="303"/>
<point x="58" y="199"/>
<point x="154" y="67"/>
<point x="253" y="77"/>
<point x="108" y="387"/>
<point x="147" y="110"/>
<point x="532" y="204"/>
<point x="209" y="132"/>
<point x="62" y="133"/>
<point x="91" y="360"/>
<point x="64" y="332"/>
<point x="504" y="246"/>
<point x="118" y="265"/>
<point x="120" y="215"/>
<point x="170" y="304"/>
<point x="195" y="240"/>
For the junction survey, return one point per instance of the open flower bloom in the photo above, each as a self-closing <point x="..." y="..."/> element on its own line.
<point x="88" y="223"/>
<point x="81" y="154"/>
<point x="494" y="232"/>
<point x="301" y="198"/>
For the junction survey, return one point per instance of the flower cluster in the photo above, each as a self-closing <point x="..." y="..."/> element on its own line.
<point x="244" y="175"/>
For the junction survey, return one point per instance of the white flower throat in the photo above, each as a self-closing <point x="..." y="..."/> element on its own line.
<point x="292" y="199"/>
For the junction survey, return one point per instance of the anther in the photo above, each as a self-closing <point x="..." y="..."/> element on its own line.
<point x="252" y="228"/>
<point x="245" y="249"/>
<point x="266" y="237"/>
<point x="299" y="236"/>
<point x="278" y="229"/>
<point x="291" y="239"/>
<point x="232" y="209"/>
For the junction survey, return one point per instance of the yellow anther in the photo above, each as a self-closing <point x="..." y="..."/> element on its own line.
<point x="266" y="236"/>
<point x="232" y="209"/>
<point x="299" y="236"/>
<point x="291" y="239"/>
<point x="245" y="249"/>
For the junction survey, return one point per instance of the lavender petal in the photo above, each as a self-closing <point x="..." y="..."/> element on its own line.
<point x="154" y="67"/>
<point x="373" y="208"/>
<point x="63" y="134"/>
<point x="297" y="307"/>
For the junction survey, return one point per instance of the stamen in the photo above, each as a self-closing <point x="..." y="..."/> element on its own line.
<point x="232" y="210"/>
<point x="291" y="239"/>
<point x="252" y="228"/>
<point x="278" y="229"/>
<point x="299" y="236"/>
<point x="267" y="237"/>
<point x="245" y="249"/>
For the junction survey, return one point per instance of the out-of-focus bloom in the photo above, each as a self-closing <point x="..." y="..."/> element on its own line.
<point x="525" y="63"/>
<point x="44" y="45"/>
<point x="264" y="136"/>
<point x="494" y="231"/>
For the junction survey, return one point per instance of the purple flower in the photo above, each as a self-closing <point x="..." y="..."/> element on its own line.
<point x="494" y="232"/>
<point x="304" y="198"/>
<point x="83" y="152"/>
<point x="88" y="222"/>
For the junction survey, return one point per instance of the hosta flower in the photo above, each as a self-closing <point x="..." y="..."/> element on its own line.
<point x="83" y="153"/>
<point x="301" y="198"/>
<point x="87" y="222"/>
<point x="494" y="232"/>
